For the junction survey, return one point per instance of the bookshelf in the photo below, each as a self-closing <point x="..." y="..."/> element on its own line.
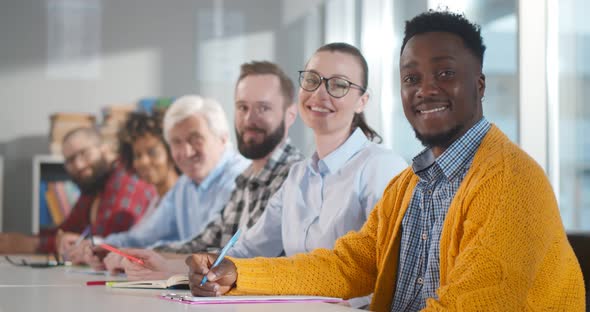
<point x="46" y="168"/>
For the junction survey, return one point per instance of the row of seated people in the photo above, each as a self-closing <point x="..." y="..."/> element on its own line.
<point x="305" y="208"/>
<point x="288" y="205"/>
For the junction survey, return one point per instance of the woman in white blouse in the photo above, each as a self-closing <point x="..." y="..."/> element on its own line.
<point x="333" y="191"/>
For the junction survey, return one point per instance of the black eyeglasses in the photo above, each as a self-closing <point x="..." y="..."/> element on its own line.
<point x="85" y="153"/>
<point x="25" y="263"/>
<point x="337" y="87"/>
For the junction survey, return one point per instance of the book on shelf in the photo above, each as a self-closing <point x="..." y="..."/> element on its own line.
<point x="72" y="193"/>
<point x="178" y="281"/>
<point x="58" y="190"/>
<point x="56" y="201"/>
<point x="45" y="219"/>
<point x="53" y="205"/>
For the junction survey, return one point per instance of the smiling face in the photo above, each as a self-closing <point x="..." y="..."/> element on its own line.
<point x="260" y="112"/>
<point x="85" y="162"/>
<point x="150" y="159"/>
<point x="323" y="113"/>
<point x="441" y="88"/>
<point x="195" y="148"/>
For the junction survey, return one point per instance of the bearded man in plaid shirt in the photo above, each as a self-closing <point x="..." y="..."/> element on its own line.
<point x="112" y="199"/>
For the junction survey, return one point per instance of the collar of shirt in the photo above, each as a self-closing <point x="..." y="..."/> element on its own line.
<point x="228" y="154"/>
<point x="336" y="159"/>
<point x="458" y="156"/>
<point x="278" y="157"/>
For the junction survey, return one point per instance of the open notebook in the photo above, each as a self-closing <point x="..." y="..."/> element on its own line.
<point x="179" y="281"/>
<point x="247" y="299"/>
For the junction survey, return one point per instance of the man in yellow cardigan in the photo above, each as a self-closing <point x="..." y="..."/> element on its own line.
<point x="472" y="225"/>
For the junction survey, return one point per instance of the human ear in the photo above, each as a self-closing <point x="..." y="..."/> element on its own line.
<point x="290" y="115"/>
<point x="481" y="85"/>
<point x="362" y="102"/>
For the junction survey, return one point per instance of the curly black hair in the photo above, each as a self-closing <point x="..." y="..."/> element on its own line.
<point x="139" y="124"/>
<point x="445" y="21"/>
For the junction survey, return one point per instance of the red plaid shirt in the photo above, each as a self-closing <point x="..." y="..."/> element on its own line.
<point x="123" y="201"/>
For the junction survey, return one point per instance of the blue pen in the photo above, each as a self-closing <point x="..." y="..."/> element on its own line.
<point x="83" y="235"/>
<point x="221" y="255"/>
<point x="90" y="236"/>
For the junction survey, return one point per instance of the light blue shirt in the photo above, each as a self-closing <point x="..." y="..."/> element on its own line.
<point x="322" y="199"/>
<point x="187" y="207"/>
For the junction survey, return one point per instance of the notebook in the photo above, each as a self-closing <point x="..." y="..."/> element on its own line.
<point x="179" y="281"/>
<point x="247" y="299"/>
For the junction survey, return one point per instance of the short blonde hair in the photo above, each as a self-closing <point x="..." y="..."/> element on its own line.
<point x="190" y="105"/>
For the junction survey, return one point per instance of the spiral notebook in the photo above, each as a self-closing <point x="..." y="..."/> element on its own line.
<point x="246" y="299"/>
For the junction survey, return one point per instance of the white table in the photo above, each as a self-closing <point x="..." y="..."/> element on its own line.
<point x="52" y="289"/>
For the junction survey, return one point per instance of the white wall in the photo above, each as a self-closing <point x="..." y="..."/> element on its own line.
<point x="144" y="48"/>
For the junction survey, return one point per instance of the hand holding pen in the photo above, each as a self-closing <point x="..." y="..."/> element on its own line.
<point x="122" y="253"/>
<point x="94" y="257"/>
<point x="210" y="274"/>
<point x="70" y="245"/>
<point x="65" y="241"/>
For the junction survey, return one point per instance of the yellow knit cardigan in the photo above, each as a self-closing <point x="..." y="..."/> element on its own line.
<point x="502" y="248"/>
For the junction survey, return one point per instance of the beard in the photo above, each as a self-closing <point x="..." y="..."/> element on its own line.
<point x="261" y="150"/>
<point x="441" y="139"/>
<point x="95" y="183"/>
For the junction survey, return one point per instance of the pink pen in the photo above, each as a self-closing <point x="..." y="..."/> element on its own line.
<point x="119" y="252"/>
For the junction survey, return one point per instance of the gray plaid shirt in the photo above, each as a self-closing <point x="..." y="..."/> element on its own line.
<point x="249" y="197"/>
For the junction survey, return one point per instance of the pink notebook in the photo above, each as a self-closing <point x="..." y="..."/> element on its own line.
<point x="246" y="299"/>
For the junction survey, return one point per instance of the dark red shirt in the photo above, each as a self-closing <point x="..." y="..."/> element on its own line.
<point x="123" y="201"/>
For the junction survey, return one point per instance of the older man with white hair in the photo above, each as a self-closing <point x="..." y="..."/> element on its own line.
<point x="197" y="131"/>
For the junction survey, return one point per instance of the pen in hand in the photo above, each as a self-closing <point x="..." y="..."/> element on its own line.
<point x="82" y="235"/>
<point x="119" y="252"/>
<point x="222" y="253"/>
<point x="90" y="236"/>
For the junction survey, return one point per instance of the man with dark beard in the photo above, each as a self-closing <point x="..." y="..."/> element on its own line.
<point x="264" y="103"/>
<point x="111" y="199"/>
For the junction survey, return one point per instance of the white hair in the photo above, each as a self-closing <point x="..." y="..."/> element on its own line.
<point x="190" y="105"/>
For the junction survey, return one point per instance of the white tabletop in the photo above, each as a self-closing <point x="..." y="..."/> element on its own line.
<point x="54" y="289"/>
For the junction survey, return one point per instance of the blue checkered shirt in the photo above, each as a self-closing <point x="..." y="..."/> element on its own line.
<point x="418" y="274"/>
